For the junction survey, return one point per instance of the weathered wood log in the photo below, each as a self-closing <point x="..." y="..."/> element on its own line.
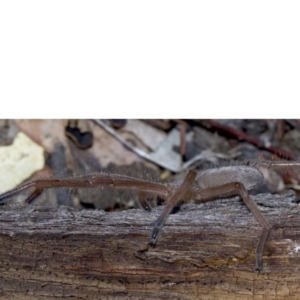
<point x="206" y="251"/>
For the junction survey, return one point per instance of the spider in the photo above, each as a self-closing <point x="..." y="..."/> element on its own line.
<point x="202" y="186"/>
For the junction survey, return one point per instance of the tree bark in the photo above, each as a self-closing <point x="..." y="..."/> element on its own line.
<point x="206" y="251"/>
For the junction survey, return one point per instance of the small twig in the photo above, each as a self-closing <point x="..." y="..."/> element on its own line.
<point x="137" y="151"/>
<point x="243" y="136"/>
<point x="205" y="155"/>
<point x="182" y="128"/>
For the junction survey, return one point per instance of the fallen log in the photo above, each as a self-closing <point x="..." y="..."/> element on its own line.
<point x="206" y="251"/>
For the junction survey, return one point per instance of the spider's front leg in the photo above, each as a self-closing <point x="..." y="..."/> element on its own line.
<point x="238" y="188"/>
<point x="170" y="203"/>
<point x="88" y="181"/>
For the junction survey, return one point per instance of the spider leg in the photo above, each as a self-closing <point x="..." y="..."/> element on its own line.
<point x="15" y="191"/>
<point x="237" y="187"/>
<point x="90" y="181"/>
<point x="171" y="201"/>
<point x="279" y="164"/>
<point x="144" y="201"/>
<point x="260" y="218"/>
<point x="35" y="194"/>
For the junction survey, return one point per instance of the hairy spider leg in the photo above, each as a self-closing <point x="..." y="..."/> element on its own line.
<point x="8" y="194"/>
<point x="277" y="164"/>
<point x="171" y="202"/>
<point x="238" y="188"/>
<point x="89" y="181"/>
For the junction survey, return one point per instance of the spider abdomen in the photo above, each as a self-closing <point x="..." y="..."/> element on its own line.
<point x="250" y="177"/>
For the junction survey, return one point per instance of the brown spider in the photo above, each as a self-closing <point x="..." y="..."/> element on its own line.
<point x="202" y="186"/>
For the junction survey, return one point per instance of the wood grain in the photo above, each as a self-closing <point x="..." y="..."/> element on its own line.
<point x="206" y="251"/>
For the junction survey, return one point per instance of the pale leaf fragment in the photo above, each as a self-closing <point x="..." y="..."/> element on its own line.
<point x="19" y="161"/>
